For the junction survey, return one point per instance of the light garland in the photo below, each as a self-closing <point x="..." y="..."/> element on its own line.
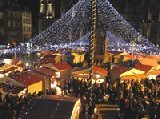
<point x="93" y="37"/>
<point x="109" y="19"/>
<point x="71" y="22"/>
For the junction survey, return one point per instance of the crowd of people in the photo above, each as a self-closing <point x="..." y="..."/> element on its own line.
<point x="12" y="106"/>
<point x="88" y="93"/>
<point x="136" y="98"/>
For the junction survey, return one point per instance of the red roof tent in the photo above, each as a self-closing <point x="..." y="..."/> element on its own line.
<point x="10" y="69"/>
<point x="62" y="66"/>
<point x="37" y="74"/>
<point x="117" y="70"/>
<point x="13" y="61"/>
<point x="100" y="70"/>
<point x="115" y="52"/>
<point x="143" y="67"/>
<point x="48" y="59"/>
<point x="47" y="52"/>
<point x="151" y="56"/>
<point x="28" y="78"/>
<point x="95" y="69"/>
<point x="130" y="56"/>
<point x="46" y="71"/>
<point x="133" y="56"/>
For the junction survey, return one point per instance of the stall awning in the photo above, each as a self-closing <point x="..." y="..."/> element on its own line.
<point x="46" y="71"/>
<point x="133" y="71"/>
<point x="28" y="78"/>
<point x="10" y="81"/>
<point x="138" y="76"/>
<point x="133" y="74"/>
<point x="154" y="73"/>
<point x="47" y="52"/>
<point x="62" y="66"/>
<point x="143" y="67"/>
<point x="47" y="59"/>
<point x="10" y="85"/>
<point x="98" y="72"/>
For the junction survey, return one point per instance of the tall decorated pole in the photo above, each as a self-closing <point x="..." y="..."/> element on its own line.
<point x="91" y="103"/>
<point x="132" y="51"/>
<point x="93" y="37"/>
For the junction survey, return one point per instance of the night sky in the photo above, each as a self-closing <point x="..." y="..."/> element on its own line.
<point x="32" y="5"/>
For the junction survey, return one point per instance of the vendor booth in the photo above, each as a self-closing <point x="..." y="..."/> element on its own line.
<point x="33" y="83"/>
<point x="133" y="74"/>
<point x="62" y="71"/>
<point x="10" y="85"/>
<point x="99" y="74"/>
<point x="153" y="74"/>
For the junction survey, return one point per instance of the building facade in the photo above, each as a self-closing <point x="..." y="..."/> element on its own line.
<point x="12" y="28"/>
<point x="51" y="10"/>
<point x="144" y="15"/>
<point x="1" y="22"/>
<point x="26" y="25"/>
<point x="10" y="18"/>
<point x="46" y="14"/>
<point x="12" y="22"/>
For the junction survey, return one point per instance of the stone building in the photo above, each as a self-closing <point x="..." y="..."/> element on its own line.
<point x="11" y="15"/>
<point x="46" y="14"/>
<point x="26" y="25"/>
<point x="144" y="15"/>
<point x="51" y="10"/>
<point x="10" y="18"/>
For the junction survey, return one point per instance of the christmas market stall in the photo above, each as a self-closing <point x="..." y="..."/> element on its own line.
<point x="133" y="74"/>
<point x="99" y="74"/>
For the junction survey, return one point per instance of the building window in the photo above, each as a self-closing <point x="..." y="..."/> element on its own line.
<point x="1" y="15"/>
<point x="27" y="21"/>
<point x="1" y="31"/>
<point x="0" y="3"/>
<point x="29" y="29"/>
<point x="19" y="16"/>
<point x="9" y="23"/>
<point x="18" y="24"/>
<point x="24" y="29"/>
<point x="42" y="8"/>
<point x="8" y="3"/>
<point x="14" y="24"/>
<point x="9" y="14"/>
<point x="14" y="15"/>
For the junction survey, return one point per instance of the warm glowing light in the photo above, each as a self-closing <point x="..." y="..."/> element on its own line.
<point x="98" y="76"/>
<point x="38" y="54"/>
<point x="27" y="64"/>
<point x="1" y="75"/>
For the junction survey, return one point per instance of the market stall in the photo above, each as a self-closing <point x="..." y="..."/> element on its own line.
<point x="99" y="74"/>
<point x="133" y="74"/>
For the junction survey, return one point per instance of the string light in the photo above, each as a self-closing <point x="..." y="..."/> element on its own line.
<point x="71" y="22"/>
<point x="111" y="20"/>
<point x="108" y="19"/>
